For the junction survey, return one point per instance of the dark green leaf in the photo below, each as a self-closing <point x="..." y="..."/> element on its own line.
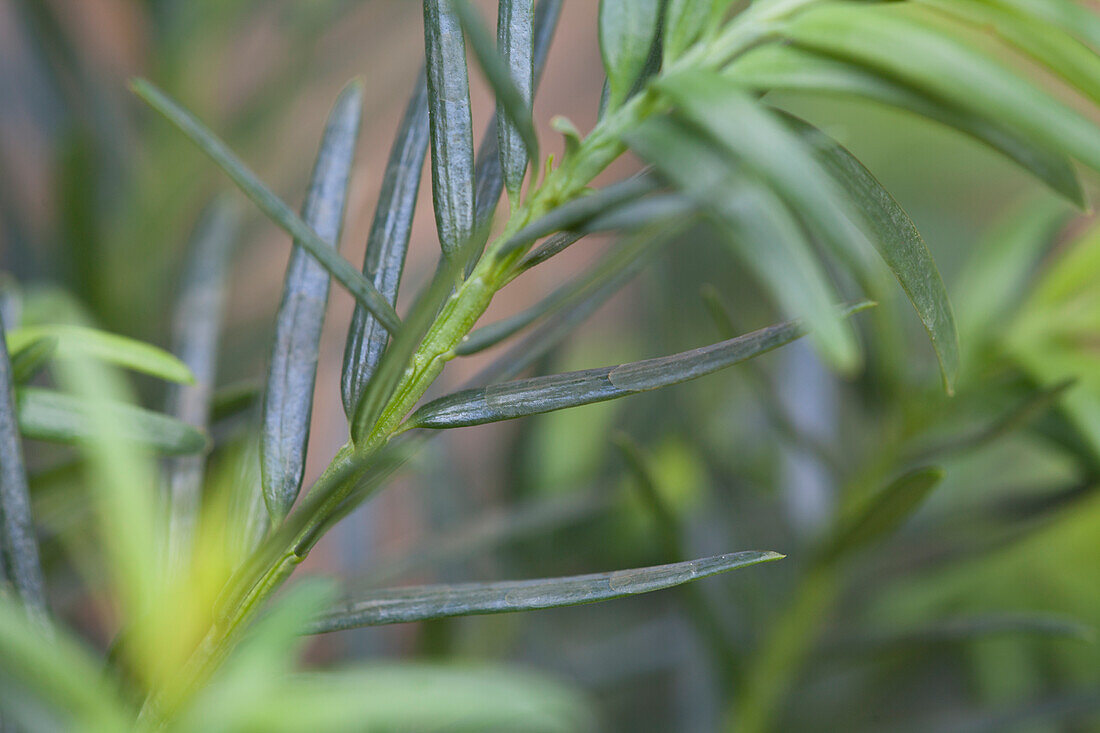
<point x="884" y="512"/>
<point x="572" y="389"/>
<point x="899" y="243"/>
<point x="950" y="69"/>
<point x="60" y="418"/>
<point x="510" y="73"/>
<point x="80" y="341"/>
<point x="488" y="175"/>
<point x="19" y="543"/>
<point x="515" y="41"/>
<point x="552" y="246"/>
<point x="451" y="125"/>
<point x="387" y="246"/>
<point x="32" y="358"/>
<point x="402" y="605"/>
<point x="271" y="204"/>
<point x="787" y="68"/>
<point x="288" y="397"/>
<point x="628" y="29"/>
<point x="757" y="225"/>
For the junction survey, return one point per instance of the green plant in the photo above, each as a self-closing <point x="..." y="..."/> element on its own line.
<point x="685" y="86"/>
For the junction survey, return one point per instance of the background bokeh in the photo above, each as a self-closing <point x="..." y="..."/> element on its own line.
<point x="98" y="195"/>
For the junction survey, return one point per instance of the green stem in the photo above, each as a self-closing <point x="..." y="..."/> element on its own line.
<point x="463" y="309"/>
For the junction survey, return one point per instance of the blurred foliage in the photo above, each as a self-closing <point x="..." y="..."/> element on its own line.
<point x="977" y="613"/>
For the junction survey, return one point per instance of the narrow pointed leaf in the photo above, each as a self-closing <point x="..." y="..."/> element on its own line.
<point x="32" y="358"/>
<point x="288" y="397"/>
<point x="758" y="140"/>
<point x="786" y="68"/>
<point x="511" y="75"/>
<point x="489" y="175"/>
<point x="80" y="341"/>
<point x="515" y="39"/>
<point x="1053" y="48"/>
<point x="757" y="226"/>
<point x="1070" y="15"/>
<point x="885" y="512"/>
<point x="552" y="246"/>
<point x="950" y="69"/>
<point x="196" y="331"/>
<point x="451" y="125"/>
<point x="271" y="205"/>
<point x="627" y="32"/>
<point x="402" y="605"/>
<point x="19" y="543"/>
<point x="61" y="418"/>
<point x="897" y="240"/>
<point x="387" y="246"/>
<point x="573" y="389"/>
